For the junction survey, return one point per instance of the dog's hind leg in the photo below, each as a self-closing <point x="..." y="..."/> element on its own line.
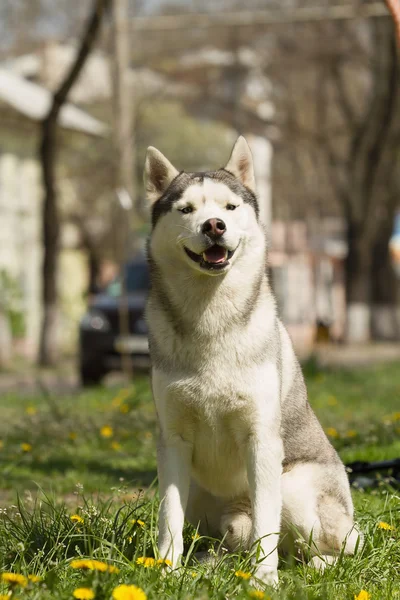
<point x="236" y="524"/>
<point x="317" y="505"/>
<point x="226" y="519"/>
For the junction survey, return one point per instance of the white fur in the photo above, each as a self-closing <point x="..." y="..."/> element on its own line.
<point x="220" y="451"/>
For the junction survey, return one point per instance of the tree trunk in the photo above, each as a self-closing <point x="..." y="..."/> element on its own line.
<point x="358" y="296"/>
<point x="51" y="233"/>
<point x="51" y="224"/>
<point x="384" y="286"/>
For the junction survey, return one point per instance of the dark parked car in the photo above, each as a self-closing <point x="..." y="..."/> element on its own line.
<point x="102" y="339"/>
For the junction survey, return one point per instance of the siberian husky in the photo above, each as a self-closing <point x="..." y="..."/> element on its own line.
<point x="240" y="452"/>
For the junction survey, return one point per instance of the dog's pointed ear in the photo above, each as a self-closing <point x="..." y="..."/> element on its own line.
<point x="158" y="174"/>
<point x="240" y="164"/>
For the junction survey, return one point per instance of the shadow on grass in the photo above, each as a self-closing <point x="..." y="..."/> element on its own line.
<point x="115" y="474"/>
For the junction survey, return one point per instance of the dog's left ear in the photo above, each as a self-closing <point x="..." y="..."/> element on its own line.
<point x="240" y="164"/>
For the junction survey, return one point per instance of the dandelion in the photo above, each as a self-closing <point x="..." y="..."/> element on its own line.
<point x="26" y="447"/>
<point x="31" y="410"/>
<point x="332" y="432"/>
<point x="76" y="519"/>
<point x="138" y="522"/>
<point x="351" y="433"/>
<point x="164" y="562"/>
<point x="258" y="594"/>
<point x="124" y="408"/>
<point x="128" y="592"/>
<point x="83" y="593"/>
<point x="90" y="565"/>
<point x="242" y="575"/>
<point x="112" y="569"/>
<point x="34" y="578"/>
<point x="106" y="431"/>
<point x="386" y="526"/>
<point x="146" y="561"/>
<point x="363" y="595"/>
<point x="5" y="596"/>
<point x="115" y="446"/>
<point x="14" y="579"/>
<point x="195" y="536"/>
<point x="72" y="435"/>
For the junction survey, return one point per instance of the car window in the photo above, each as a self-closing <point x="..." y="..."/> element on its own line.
<point x="136" y="280"/>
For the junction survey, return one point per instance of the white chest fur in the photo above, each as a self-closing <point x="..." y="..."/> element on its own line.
<point x="216" y="415"/>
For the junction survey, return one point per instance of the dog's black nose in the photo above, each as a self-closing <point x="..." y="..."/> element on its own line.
<point x="213" y="228"/>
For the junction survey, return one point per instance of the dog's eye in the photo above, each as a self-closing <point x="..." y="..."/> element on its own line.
<point x="186" y="210"/>
<point x="230" y="207"/>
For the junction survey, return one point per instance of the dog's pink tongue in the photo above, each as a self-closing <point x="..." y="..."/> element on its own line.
<point x="215" y="254"/>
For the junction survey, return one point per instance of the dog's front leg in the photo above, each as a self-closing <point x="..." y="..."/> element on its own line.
<point x="264" y="475"/>
<point x="174" y="465"/>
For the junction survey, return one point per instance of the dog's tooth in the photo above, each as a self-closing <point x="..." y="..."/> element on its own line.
<point x="204" y="256"/>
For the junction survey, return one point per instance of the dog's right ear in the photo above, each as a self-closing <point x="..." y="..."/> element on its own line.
<point x="158" y="174"/>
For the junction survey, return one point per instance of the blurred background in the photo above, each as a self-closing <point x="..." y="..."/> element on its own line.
<point x="86" y="86"/>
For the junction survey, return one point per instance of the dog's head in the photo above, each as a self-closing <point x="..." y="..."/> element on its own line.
<point x="203" y="220"/>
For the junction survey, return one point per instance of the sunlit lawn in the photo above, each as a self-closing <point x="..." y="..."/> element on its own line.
<point x="91" y="454"/>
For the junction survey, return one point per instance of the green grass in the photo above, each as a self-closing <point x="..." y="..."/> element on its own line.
<point x="69" y="466"/>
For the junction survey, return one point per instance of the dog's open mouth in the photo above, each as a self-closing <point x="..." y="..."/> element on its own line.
<point x="215" y="257"/>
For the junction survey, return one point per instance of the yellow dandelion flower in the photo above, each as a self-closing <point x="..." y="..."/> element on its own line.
<point x="112" y="569"/>
<point x="196" y="536"/>
<point x="115" y="446"/>
<point x="258" y="594"/>
<point x="76" y="519"/>
<point x="146" y="561"/>
<point x="129" y="538"/>
<point x="26" y="447"/>
<point x="386" y="526"/>
<point x="351" y="433"/>
<point x="31" y="410"/>
<point x="34" y="578"/>
<point x="106" y="431"/>
<point x="395" y="416"/>
<point x="363" y="595"/>
<point x="5" y="596"/>
<point x="332" y="401"/>
<point x="164" y="562"/>
<point x="138" y="522"/>
<point x="242" y="574"/>
<point x="193" y="574"/>
<point x="83" y="593"/>
<point x="124" y="408"/>
<point x="72" y="435"/>
<point x="332" y="432"/>
<point x="128" y="592"/>
<point x="14" y="579"/>
<point x="89" y="564"/>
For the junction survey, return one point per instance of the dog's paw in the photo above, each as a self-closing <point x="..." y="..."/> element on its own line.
<point x="265" y="575"/>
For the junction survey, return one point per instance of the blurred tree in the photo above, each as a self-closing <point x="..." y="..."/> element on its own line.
<point x="51" y="221"/>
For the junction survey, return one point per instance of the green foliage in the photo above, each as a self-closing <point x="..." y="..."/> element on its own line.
<point x="88" y="455"/>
